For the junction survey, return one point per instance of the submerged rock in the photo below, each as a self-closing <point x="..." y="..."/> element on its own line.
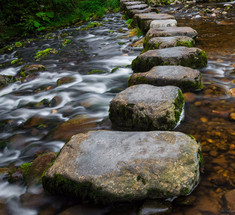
<point x="166" y="42"/>
<point x="112" y="166"/>
<point x="155" y="208"/>
<point x="185" y="78"/>
<point x="189" y="57"/>
<point x="171" y="32"/>
<point x="146" y="107"/>
<point x="144" y="20"/>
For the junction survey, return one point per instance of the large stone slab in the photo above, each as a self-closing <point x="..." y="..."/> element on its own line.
<point x="112" y="166"/>
<point x="185" y="78"/>
<point x="163" y="23"/>
<point x="189" y="57"/>
<point x="146" y="107"/>
<point x="166" y="42"/>
<point x="170" y="32"/>
<point x="144" y="20"/>
<point x="123" y="5"/>
<point x="132" y="13"/>
<point x="137" y="7"/>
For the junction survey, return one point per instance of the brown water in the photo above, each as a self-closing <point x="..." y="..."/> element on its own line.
<point x="206" y="112"/>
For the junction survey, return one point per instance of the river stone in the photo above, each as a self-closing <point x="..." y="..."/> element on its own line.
<point x="147" y="107"/>
<point x="171" y="32"/>
<point x="137" y="7"/>
<point x="189" y="57"/>
<point x="144" y="20"/>
<point x="163" y="23"/>
<point x="185" y="78"/>
<point x="166" y="42"/>
<point x="131" y="13"/>
<point x="6" y="80"/>
<point x="112" y="166"/>
<point x="123" y="5"/>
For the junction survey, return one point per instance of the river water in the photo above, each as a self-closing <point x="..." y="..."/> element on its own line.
<point x="32" y="110"/>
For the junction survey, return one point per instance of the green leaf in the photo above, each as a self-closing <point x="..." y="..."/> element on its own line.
<point x="36" y="24"/>
<point x="50" y="14"/>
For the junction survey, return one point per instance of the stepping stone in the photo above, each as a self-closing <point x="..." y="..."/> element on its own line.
<point x="144" y="20"/>
<point x="137" y="7"/>
<point x="146" y="107"/>
<point x="163" y="23"/>
<point x="115" y="166"/>
<point x="132" y="13"/>
<point x="171" y="32"/>
<point x="185" y="78"/>
<point x="123" y="5"/>
<point x="166" y="42"/>
<point x="189" y="57"/>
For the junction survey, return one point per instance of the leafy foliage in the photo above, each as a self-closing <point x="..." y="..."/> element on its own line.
<point x="21" y="18"/>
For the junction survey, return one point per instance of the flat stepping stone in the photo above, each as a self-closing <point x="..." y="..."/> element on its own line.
<point x="123" y="5"/>
<point x="132" y="13"/>
<point x="115" y="166"/>
<point x="166" y="42"/>
<point x="189" y="57"/>
<point x="185" y="78"/>
<point x="171" y="32"/>
<point x="144" y="20"/>
<point x="137" y="7"/>
<point x="146" y="107"/>
<point x="163" y="23"/>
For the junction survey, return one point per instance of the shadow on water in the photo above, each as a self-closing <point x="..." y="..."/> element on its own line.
<point x="37" y="112"/>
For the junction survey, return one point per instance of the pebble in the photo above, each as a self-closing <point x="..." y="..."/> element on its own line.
<point x="230" y="200"/>
<point x="232" y="116"/>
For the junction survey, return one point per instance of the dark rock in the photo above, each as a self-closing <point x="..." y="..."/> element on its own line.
<point x="30" y="200"/>
<point x="185" y="78"/>
<point x="171" y="32"/>
<point x="38" y="166"/>
<point x="166" y="42"/>
<point x="146" y="107"/>
<point x="144" y="20"/>
<point x="189" y="57"/>
<point x="6" y="80"/>
<point x="73" y="126"/>
<point x="112" y="166"/>
<point x="65" y="80"/>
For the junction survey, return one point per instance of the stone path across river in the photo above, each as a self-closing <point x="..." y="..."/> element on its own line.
<point x="110" y="166"/>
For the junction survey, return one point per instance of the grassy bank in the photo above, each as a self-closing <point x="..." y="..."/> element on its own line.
<point x="19" y="19"/>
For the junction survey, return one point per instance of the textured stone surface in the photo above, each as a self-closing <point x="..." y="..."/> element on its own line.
<point x="124" y="166"/>
<point x="170" y="32"/>
<point x="146" y="107"/>
<point x="189" y="57"/>
<point x="166" y="42"/>
<point x="137" y="7"/>
<point x="144" y="20"/>
<point x="5" y="80"/>
<point x="230" y="200"/>
<point x="132" y="13"/>
<point x="163" y="23"/>
<point x="123" y="5"/>
<point x="185" y="78"/>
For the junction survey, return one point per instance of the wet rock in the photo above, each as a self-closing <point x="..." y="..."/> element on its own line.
<point x="189" y="97"/>
<point x="32" y="68"/>
<point x="73" y="126"/>
<point x="146" y="107"/>
<point x="156" y="207"/>
<point x="230" y="200"/>
<point x="112" y="166"/>
<point x="137" y="7"/>
<point x="65" y="80"/>
<point x="30" y="200"/>
<point x="5" y="80"/>
<point x="38" y="166"/>
<point x="144" y="20"/>
<point x="84" y="210"/>
<point x="188" y="57"/>
<point x="166" y="42"/>
<point x="3" y="209"/>
<point x="188" y="200"/>
<point x="185" y="78"/>
<point x="124" y="4"/>
<point x="138" y="43"/>
<point x="171" y="32"/>
<point x="163" y="23"/>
